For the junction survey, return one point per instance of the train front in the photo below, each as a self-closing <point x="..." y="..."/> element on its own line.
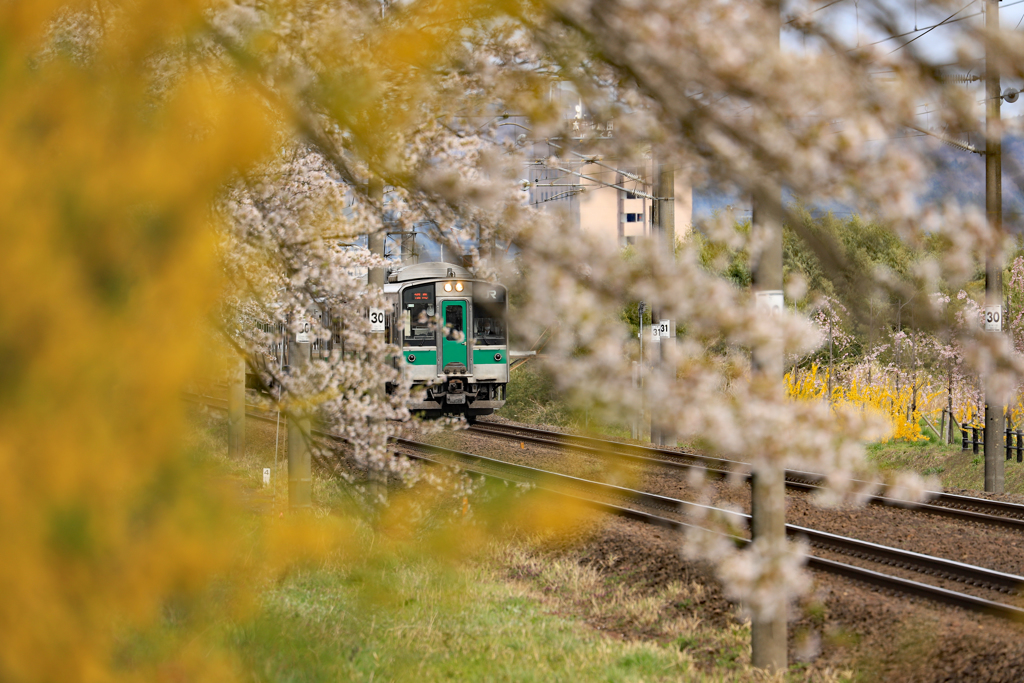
<point x="454" y="340"/>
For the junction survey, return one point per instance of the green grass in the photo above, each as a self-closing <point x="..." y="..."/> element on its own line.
<point x="534" y="399"/>
<point x="437" y="624"/>
<point x="494" y="608"/>
<point x="954" y="467"/>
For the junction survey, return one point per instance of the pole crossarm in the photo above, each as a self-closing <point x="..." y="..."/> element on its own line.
<point x="594" y="160"/>
<point x="590" y="160"/>
<point x="638" y="193"/>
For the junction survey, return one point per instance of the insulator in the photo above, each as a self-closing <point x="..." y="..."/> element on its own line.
<point x="959" y="78"/>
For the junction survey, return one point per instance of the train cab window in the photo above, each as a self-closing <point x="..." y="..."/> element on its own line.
<point x="419" y="315"/>
<point x="488" y="314"/>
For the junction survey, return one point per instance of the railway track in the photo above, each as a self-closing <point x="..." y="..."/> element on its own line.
<point x="652" y="509"/>
<point x="963" y="508"/>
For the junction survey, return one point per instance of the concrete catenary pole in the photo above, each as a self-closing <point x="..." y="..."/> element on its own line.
<point x="768" y="492"/>
<point x="994" y="464"/>
<point x="236" y="407"/>
<point x="300" y="472"/>
<point x="375" y="281"/>
<point x="666" y="216"/>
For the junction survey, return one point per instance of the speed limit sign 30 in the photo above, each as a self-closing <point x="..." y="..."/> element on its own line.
<point x="994" y="318"/>
<point x="377" y="319"/>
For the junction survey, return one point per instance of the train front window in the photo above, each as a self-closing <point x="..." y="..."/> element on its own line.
<point x="489" y="331"/>
<point x="488" y="314"/>
<point x="419" y="316"/>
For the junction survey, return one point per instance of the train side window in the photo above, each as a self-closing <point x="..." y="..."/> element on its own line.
<point x="418" y="304"/>
<point x="489" y="314"/>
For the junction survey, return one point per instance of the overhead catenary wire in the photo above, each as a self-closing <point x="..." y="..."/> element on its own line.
<point x="923" y="30"/>
<point x="638" y="193"/>
<point x="593" y="160"/>
<point x="815" y="11"/>
<point x="945" y="21"/>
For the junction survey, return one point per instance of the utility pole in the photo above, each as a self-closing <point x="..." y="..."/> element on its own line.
<point x="300" y="472"/>
<point x="375" y="281"/>
<point x="236" y="407"/>
<point x="409" y="256"/>
<point x="768" y="486"/>
<point x="768" y="489"/>
<point x="638" y="432"/>
<point x="663" y="433"/>
<point x="485" y="246"/>
<point x="994" y="465"/>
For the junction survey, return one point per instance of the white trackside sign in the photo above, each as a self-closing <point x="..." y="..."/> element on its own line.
<point x="377" y="319"/>
<point x="771" y="301"/>
<point x="662" y="329"/>
<point x="302" y="336"/>
<point x="266" y="476"/>
<point x="994" y="318"/>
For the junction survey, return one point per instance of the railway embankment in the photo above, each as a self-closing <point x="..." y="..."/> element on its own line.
<point x="625" y="582"/>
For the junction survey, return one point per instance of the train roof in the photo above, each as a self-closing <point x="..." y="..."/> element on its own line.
<point x="432" y="270"/>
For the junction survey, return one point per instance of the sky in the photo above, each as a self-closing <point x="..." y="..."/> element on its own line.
<point x="851" y="22"/>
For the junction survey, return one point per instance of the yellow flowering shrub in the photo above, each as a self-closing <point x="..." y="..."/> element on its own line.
<point x="812" y="385"/>
<point x="108" y="523"/>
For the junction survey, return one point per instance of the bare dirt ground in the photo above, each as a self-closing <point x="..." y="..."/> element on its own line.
<point x="841" y="624"/>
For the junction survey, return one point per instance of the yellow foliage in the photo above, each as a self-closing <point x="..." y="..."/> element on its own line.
<point x="884" y="398"/>
<point x="108" y="262"/>
<point x="111" y="527"/>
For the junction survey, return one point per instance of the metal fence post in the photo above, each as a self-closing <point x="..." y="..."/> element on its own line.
<point x="1020" y="446"/>
<point x="974" y="437"/>
<point x="963" y="435"/>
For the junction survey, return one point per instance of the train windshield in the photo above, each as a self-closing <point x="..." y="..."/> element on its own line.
<point x="419" y="316"/>
<point x="488" y="314"/>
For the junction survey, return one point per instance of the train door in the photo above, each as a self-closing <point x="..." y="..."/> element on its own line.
<point x="453" y="342"/>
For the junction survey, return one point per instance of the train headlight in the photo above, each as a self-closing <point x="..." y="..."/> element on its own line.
<point x="412" y="358"/>
<point x="497" y="356"/>
<point x="458" y="286"/>
<point x="447" y="286"/>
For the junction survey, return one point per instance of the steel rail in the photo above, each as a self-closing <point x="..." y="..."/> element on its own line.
<point x="978" y="576"/>
<point x="966" y="508"/>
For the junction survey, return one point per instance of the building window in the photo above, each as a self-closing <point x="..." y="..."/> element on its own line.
<point x="633" y="218"/>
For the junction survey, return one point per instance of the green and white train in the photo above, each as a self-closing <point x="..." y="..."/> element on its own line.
<point x="451" y="329"/>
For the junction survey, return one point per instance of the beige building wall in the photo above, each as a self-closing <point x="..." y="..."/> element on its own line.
<point x="599" y="209"/>
<point x="604" y="212"/>
<point x="684" y="203"/>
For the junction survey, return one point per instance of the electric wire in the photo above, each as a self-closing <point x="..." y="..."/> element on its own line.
<point x="945" y="21"/>
<point x="948" y="20"/>
<point x="834" y="2"/>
